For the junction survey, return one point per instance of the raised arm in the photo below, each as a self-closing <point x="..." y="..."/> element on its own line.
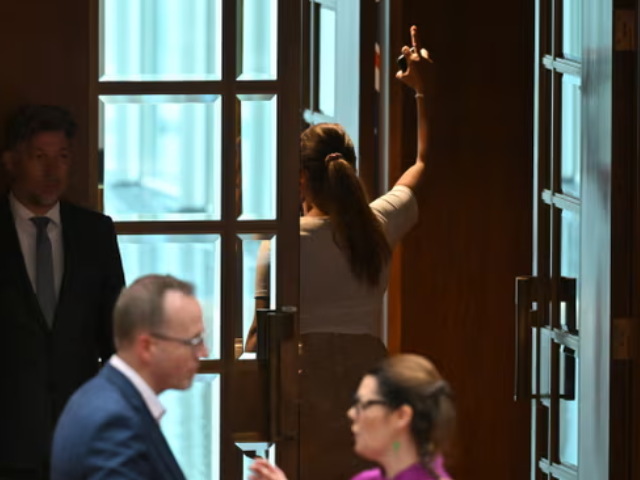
<point x="418" y="67"/>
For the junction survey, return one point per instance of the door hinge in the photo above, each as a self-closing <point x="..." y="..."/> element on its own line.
<point x="623" y="339"/>
<point x="625" y="30"/>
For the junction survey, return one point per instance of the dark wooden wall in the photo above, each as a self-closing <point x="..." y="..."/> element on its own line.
<point x="44" y="58"/>
<point x="475" y="230"/>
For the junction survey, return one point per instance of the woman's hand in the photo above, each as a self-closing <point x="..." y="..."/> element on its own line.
<point x="263" y="470"/>
<point x="418" y="62"/>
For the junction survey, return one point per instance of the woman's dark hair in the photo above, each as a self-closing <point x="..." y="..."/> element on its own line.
<point x="30" y="120"/>
<point x="328" y="162"/>
<point x="414" y="381"/>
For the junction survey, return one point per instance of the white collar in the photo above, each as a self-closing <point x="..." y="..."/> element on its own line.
<point x="24" y="214"/>
<point x="148" y="395"/>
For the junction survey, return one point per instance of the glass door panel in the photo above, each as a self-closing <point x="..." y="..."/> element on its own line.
<point x="192" y="427"/>
<point x="258" y="153"/>
<point x="162" y="156"/>
<point x="258" y="47"/>
<point x="196" y="148"/>
<point x="557" y="245"/>
<point x="571" y="118"/>
<point x="194" y="258"/>
<point x="160" y="40"/>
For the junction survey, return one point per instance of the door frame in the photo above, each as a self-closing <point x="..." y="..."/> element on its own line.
<point x="241" y="381"/>
<point x="596" y="233"/>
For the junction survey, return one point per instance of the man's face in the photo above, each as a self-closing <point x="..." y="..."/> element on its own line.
<point x="175" y="364"/>
<point x="39" y="169"/>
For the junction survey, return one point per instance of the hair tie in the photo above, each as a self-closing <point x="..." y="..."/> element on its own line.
<point x="332" y="157"/>
<point x="441" y="387"/>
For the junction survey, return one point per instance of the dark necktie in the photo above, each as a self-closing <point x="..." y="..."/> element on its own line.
<point x="45" y="285"/>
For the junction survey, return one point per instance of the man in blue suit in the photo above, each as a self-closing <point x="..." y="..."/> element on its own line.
<point x="109" y="429"/>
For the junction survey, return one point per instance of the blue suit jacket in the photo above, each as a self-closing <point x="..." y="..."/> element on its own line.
<point x="107" y="432"/>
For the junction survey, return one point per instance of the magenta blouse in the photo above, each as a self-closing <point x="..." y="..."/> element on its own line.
<point x="414" y="472"/>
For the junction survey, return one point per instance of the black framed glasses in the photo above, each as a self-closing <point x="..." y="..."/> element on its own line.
<point x="194" y="342"/>
<point x="360" y="406"/>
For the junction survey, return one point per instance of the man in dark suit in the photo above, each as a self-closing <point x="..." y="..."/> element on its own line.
<point x="60" y="275"/>
<point x="110" y="428"/>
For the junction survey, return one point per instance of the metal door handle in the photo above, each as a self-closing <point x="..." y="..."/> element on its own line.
<point x="524" y="300"/>
<point x="273" y="328"/>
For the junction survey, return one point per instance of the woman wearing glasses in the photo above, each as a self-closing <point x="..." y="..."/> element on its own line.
<point x="402" y="419"/>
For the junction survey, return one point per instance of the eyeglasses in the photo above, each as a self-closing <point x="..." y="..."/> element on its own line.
<point x="195" y="342"/>
<point x="360" y="406"/>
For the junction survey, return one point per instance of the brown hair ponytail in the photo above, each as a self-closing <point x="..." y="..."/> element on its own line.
<point x="328" y="160"/>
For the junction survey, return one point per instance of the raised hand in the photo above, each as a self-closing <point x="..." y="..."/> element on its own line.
<point x="417" y="61"/>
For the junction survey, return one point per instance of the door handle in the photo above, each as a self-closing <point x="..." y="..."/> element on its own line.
<point x="274" y="327"/>
<point x="523" y="360"/>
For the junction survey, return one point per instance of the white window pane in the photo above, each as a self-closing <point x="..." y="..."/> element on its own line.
<point x="252" y="450"/>
<point x="258" y="280"/>
<point x="193" y="258"/>
<point x="570" y="140"/>
<point x="572" y="29"/>
<point x="258" y="161"/>
<point x="258" y="59"/>
<point x="327" y="66"/>
<point x="162" y="157"/>
<point x="570" y="261"/>
<point x="191" y="426"/>
<point x="160" y="40"/>
<point x="569" y="413"/>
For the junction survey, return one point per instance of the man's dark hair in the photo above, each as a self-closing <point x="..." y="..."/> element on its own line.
<point x="30" y="120"/>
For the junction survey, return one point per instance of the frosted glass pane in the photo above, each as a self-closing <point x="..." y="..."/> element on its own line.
<point x="569" y="415"/>
<point x="258" y="279"/>
<point x="191" y="426"/>
<point x="570" y="154"/>
<point x="327" y="67"/>
<point x="193" y="258"/>
<point x="570" y="259"/>
<point x="162" y="157"/>
<point x="251" y="450"/>
<point x="258" y="48"/>
<point x="144" y="40"/>
<point x="258" y="162"/>
<point x="572" y="29"/>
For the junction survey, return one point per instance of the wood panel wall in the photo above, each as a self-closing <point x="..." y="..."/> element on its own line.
<point x="475" y="232"/>
<point x="44" y="58"/>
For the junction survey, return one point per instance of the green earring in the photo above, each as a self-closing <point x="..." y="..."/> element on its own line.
<point x="396" y="446"/>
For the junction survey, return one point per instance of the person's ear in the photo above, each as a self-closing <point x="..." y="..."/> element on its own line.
<point x="144" y="346"/>
<point x="9" y="161"/>
<point x="404" y="416"/>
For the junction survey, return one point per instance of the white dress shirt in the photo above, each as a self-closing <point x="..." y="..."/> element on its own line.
<point x="148" y="395"/>
<point x="27" y="235"/>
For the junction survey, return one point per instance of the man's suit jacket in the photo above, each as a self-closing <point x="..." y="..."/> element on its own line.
<point x="41" y="366"/>
<point x="107" y="432"/>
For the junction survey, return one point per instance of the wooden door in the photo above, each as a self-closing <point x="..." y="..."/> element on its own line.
<point x="195" y="113"/>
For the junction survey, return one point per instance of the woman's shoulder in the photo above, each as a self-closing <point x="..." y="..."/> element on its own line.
<point x="311" y="225"/>
<point x="394" y="198"/>
<point x="373" y="474"/>
<point x="397" y="210"/>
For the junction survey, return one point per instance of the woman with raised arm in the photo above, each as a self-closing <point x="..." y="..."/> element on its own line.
<point x="345" y="250"/>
